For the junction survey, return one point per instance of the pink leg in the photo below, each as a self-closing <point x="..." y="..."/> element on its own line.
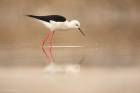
<point x="45" y="39"/>
<point x="51" y="45"/>
<point x="48" y="51"/>
<point x="43" y="43"/>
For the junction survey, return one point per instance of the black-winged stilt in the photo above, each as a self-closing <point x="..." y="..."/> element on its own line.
<point x="53" y="23"/>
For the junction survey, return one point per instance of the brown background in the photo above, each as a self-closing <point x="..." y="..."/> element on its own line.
<point x="109" y="61"/>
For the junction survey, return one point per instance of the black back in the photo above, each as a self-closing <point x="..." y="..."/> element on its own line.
<point x="47" y="18"/>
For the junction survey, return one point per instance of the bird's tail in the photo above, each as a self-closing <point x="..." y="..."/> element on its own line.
<point x="33" y="16"/>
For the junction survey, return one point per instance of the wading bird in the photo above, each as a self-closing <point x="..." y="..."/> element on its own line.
<point x="55" y="23"/>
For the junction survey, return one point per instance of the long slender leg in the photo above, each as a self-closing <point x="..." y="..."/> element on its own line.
<point x="51" y="44"/>
<point x="45" y="39"/>
<point x="43" y="43"/>
<point x="47" y="51"/>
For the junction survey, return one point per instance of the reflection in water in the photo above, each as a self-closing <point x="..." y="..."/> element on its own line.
<point x="82" y="60"/>
<point x="62" y="68"/>
<point x="53" y="67"/>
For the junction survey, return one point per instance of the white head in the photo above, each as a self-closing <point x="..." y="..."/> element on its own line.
<point x="76" y="25"/>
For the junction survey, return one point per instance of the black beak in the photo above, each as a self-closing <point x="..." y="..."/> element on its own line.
<point x="81" y="31"/>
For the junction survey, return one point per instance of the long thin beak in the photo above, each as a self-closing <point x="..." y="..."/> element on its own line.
<point x="81" y="31"/>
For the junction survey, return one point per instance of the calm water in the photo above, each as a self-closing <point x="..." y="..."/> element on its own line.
<point x="101" y="71"/>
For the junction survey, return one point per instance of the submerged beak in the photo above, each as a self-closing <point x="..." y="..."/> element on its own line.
<point x="81" y="31"/>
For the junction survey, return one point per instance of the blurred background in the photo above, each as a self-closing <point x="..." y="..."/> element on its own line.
<point x="109" y="60"/>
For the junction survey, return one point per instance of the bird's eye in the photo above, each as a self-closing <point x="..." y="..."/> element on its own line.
<point x="76" y="24"/>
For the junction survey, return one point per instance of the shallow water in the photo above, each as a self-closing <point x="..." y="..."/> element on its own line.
<point x="23" y="70"/>
<point x="89" y="80"/>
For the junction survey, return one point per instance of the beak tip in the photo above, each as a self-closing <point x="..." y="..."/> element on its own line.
<point x="81" y="31"/>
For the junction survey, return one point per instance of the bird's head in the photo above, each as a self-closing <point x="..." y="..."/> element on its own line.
<point x="76" y="25"/>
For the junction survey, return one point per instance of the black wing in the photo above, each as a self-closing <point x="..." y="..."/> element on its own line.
<point x="57" y="18"/>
